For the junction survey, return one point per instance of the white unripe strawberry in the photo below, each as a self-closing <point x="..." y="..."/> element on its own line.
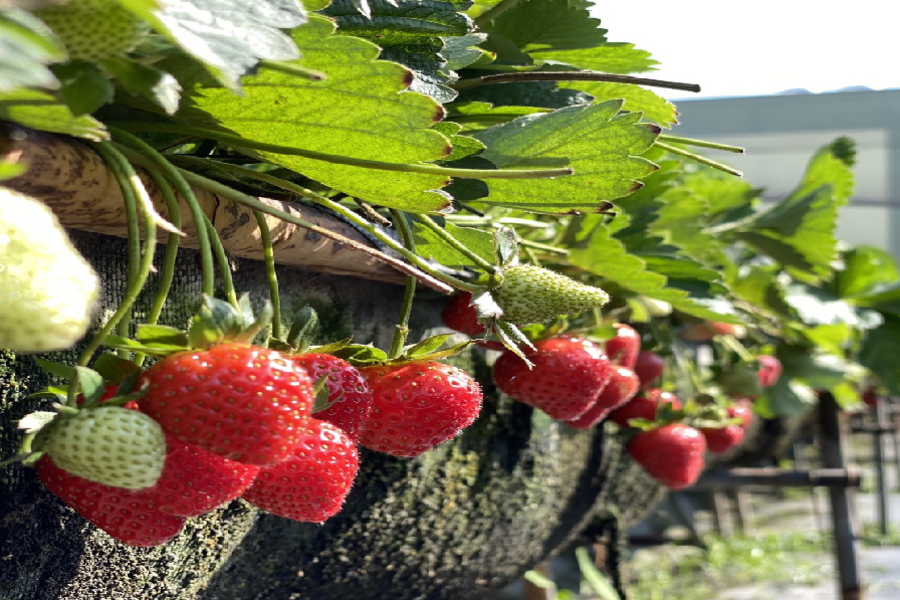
<point x="47" y="290"/>
<point x="111" y="445"/>
<point x="532" y="294"/>
<point x="94" y="30"/>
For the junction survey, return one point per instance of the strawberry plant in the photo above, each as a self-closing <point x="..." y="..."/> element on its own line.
<point x="505" y="154"/>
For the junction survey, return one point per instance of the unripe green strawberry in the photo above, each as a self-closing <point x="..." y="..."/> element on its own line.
<point x="532" y="294"/>
<point x="111" y="445"/>
<point x="47" y="290"/>
<point x="94" y="30"/>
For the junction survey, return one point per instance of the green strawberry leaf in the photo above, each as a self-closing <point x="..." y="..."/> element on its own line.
<point x="475" y="115"/>
<point x="66" y="372"/>
<point x="798" y="232"/>
<point x="115" y="369"/>
<point x="598" y="142"/>
<point x="512" y="338"/>
<point x="652" y="107"/>
<point x="227" y="37"/>
<point x="161" y="335"/>
<point x="506" y="247"/>
<point x="322" y="395"/>
<point x="84" y="87"/>
<point x="867" y="270"/>
<point x="462" y="51"/>
<point x="34" y="422"/>
<point x="426" y="346"/>
<point x="879" y="353"/>
<point x="143" y="80"/>
<point x="356" y="111"/>
<point x="593" y="249"/>
<point x="411" y="34"/>
<point x="90" y="383"/>
<point x="817" y="306"/>
<point x="26" y="47"/>
<point x="787" y="398"/>
<point x="304" y="329"/>
<point x="216" y="321"/>
<point x="45" y="112"/>
<point x="815" y="368"/>
<point x="430" y="245"/>
<point x="332" y="347"/>
<point x="358" y="355"/>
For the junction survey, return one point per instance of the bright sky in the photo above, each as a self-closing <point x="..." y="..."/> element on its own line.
<point x="760" y="47"/>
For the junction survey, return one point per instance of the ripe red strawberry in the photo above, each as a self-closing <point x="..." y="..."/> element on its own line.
<point x="242" y="402"/>
<point x="311" y="485"/>
<point x="459" y="315"/>
<point x="643" y="406"/>
<point x="346" y="384"/>
<point x="870" y="397"/>
<point x="769" y="370"/>
<point x="128" y="516"/>
<point x="567" y="377"/>
<point x="721" y="439"/>
<point x="743" y="410"/>
<point x="671" y="454"/>
<point x="624" y="348"/>
<point x="195" y="481"/>
<point x="622" y="386"/>
<point x="417" y="406"/>
<point x="648" y="367"/>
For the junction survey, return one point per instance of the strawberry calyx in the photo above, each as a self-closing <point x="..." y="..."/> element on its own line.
<point x="217" y="322"/>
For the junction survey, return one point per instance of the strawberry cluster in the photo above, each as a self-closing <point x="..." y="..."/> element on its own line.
<point x="236" y="420"/>
<point x="583" y="383"/>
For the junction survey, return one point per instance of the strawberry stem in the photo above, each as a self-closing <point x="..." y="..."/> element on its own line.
<point x="671" y="139"/>
<point x="222" y="259"/>
<point x="167" y="272"/>
<point x="698" y="158"/>
<point x="336" y="207"/>
<point x="517" y="76"/>
<point x="131" y="189"/>
<point x="409" y="294"/>
<point x="207" y="269"/>
<point x="272" y="277"/>
<point x="423" y="168"/>
<point x="454" y="243"/>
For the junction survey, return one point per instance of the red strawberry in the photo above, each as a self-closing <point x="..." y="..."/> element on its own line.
<point x="345" y="384"/>
<point x="743" y="410"/>
<point x="623" y="385"/>
<point x="460" y="315"/>
<point x="720" y="439"/>
<point x="769" y="370"/>
<point x="195" y="481"/>
<point x="311" y="485"/>
<point x="130" y="517"/>
<point x="568" y="375"/>
<point x="643" y="406"/>
<point x="648" y="367"/>
<point x="870" y="397"/>
<point x="671" y="454"/>
<point x="242" y="402"/>
<point x="417" y="406"/>
<point x="624" y="348"/>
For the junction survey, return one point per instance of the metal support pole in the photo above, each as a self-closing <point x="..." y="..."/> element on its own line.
<point x="739" y="508"/>
<point x="895" y="435"/>
<point x="845" y="543"/>
<point x="878" y="455"/>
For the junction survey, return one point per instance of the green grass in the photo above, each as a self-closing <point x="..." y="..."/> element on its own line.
<point x="871" y="536"/>
<point x="698" y="574"/>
